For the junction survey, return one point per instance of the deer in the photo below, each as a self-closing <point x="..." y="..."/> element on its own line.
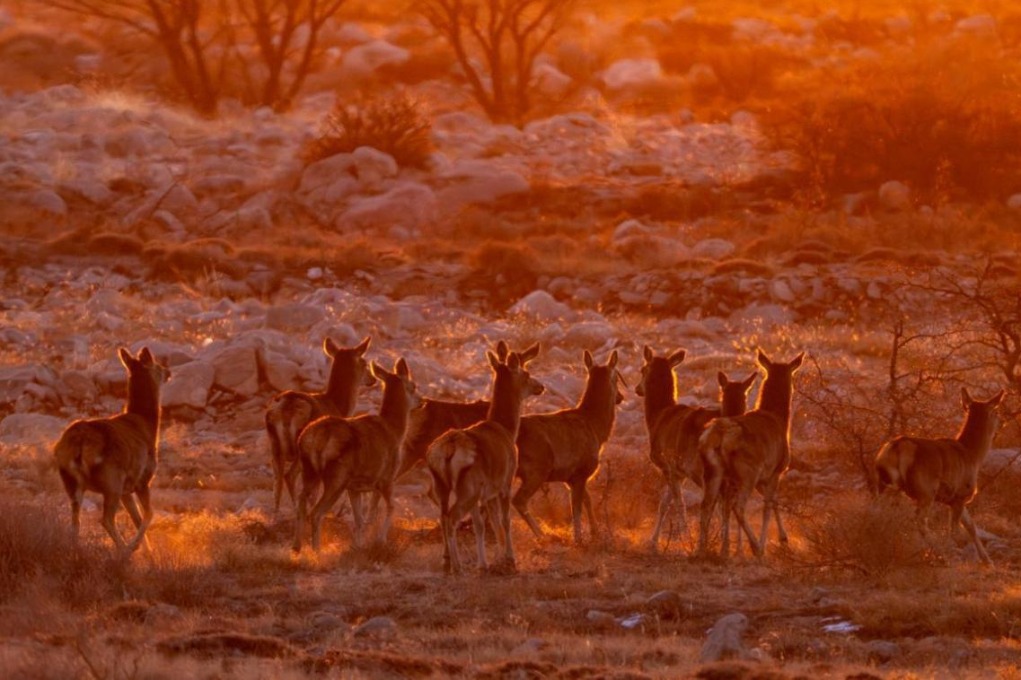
<point x="436" y="416"/>
<point x="944" y="470"/>
<point x="475" y="466"/>
<point x="674" y="428"/>
<point x="750" y="451"/>
<point x="290" y="411"/>
<point x="356" y="455"/>
<point x="564" y="446"/>
<point x="117" y="456"/>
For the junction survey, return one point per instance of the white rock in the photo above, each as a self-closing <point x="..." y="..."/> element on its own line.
<point x="47" y="201"/>
<point x="542" y="306"/>
<point x="630" y="227"/>
<point x="632" y="73"/>
<point x="327" y="171"/>
<point x="24" y="429"/>
<point x="408" y="204"/>
<point x="713" y="248"/>
<point x="781" y="291"/>
<point x="589" y="334"/>
<point x="373" y="166"/>
<point x="236" y="369"/>
<point x="977" y="25"/>
<point x="189" y="385"/>
<point x="362" y="61"/>
<point x="724" y="639"/>
<point x="478" y="181"/>
<point x="551" y="81"/>
<point x="1014" y="202"/>
<point x="895" y="196"/>
<point x="294" y="317"/>
<point x="281" y="373"/>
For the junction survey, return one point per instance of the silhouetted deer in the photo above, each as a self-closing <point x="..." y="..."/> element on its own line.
<point x="674" y="428"/>
<point x="355" y="454"/>
<point x="564" y="446"/>
<point x="117" y="456"/>
<point x="435" y="416"/>
<point x="750" y="451"/>
<point x="475" y="466"/>
<point x="291" y="411"/>
<point x="944" y="470"/>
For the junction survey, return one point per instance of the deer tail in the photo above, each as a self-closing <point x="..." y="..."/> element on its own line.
<point x="893" y="462"/>
<point x="449" y="457"/>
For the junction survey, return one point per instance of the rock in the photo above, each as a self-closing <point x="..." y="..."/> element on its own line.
<point x="895" y="196"/>
<point x="294" y="317"/>
<point x="236" y="370"/>
<point x="325" y="172"/>
<point x="600" y="619"/>
<point x="189" y="385"/>
<point x="161" y="613"/>
<point x="380" y="627"/>
<point x="530" y="646"/>
<point x="373" y="166"/>
<point x="633" y="227"/>
<point x="724" y="639"/>
<point x="882" y="651"/>
<point x="1014" y="202"/>
<point x="362" y="61"/>
<point x="281" y="373"/>
<point x="713" y="248"/>
<point x="978" y="25"/>
<point x="47" y="201"/>
<point x="551" y="81"/>
<point x="628" y="74"/>
<point x="542" y="306"/>
<point x="479" y="181"/>
<point x="21" y="429"/>
<point x="781" y="291"/>
<point x="668" y="605"/>
<point x="589" y="334"/>
<point x="409" y="204"/>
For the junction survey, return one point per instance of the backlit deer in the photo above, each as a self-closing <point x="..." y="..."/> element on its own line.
<point x="435" y="416"/>
<point x="674" y="428"/>
<point x="356" y="455"/>
<point x="564" y="446"/>
<point x="944" y="470"/>
<point x="474" y="467"/>
<point x="750" y="451"/>
<point x="291" y="411"/>
<point x="117" y="456"/>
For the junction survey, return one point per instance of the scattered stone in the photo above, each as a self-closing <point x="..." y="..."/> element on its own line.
<point x="542" y="306"/>
<point x="600" y="619"/>
<point x="895" y="196"/>
<point x="379" y="627"/>
<point x="882" y="651"/>
<point x="294" y="317"/>
<point x="627" y="74"/>
<point x="724" y="639"/>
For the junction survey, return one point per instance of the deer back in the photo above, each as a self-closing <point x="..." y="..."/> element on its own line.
<point x="433" y="418"/>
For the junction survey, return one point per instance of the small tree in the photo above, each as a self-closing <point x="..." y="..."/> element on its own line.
<point x="496" y="43"/>
<point x="205" y="43"/>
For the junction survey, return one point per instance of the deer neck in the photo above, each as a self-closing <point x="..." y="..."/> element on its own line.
<point x="598" y="406"/>
<point x="394" y="409"/>
<point x="505" y="406"/>
<point x="144" y="401"/>
<point x="342" y="391"/>
<point x="733" y="405"/>
<point x="976" y="435"/>
<point x="659" y="396"/>
<point x="775" y="398"/>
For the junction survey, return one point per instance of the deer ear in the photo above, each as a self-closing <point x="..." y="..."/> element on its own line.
<point x="587" y="356"/>
<point x="995" y="401"/>
<point x="612" y="363"/>
<point x="494" y="360"/>
<point x="966" y="399"/>
<point x="364" y="345"/>
<point x="647" y="353"/>
<point x="502" y="350"/>
<point x="722" y="378"/>
<point x="146" y="357"/>
<point x="797" y="361"/>
<point x="378" y="371"/>
<point x="126" y="358"/>
<point x="747" y="383"/>
<point x="529" y="354"/>
<point x="330" y="348"/>
<point x="761" y="359"/>
<point x="677" y="357"/>
<point x="401" y="368"/>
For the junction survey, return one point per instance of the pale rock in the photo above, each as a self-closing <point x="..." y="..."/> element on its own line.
<point x="47" y="201"/>
<point x="882" y="651"/>
<point x="281" y="373"/>
<point x="895" y="196"/>
<point x="87" y="187"/>
<point x="713" y="248"/>
<point x="589" y="334"/>
<point x="217" y="185"/>
<point x="600" y="619"/>
<point x="874" y="291"/>
<point x="781" y="291"/>
<point x="236" y="369"/>
<point x="765" y="315"/>
<point x="189" y="385"/>
<point x="1014" y="202"/>
<point x="898" y="25"/>
<point x="362" y="61"/>
<point x="379" y="627"/>
<point x="541" y="306"/>
<point x="629" y="228"/>
<point x="701" y="76"/>
<point x="373" y="166"/>
<point x="978" y="25"/>
<point x="551" y="81"/>
<point x="327" y="171"/>
<point x="169" y="221"/>
<point x="479" y="181"/>
<point x="408" y="204"/>
<point x="24" y="429"/>
<point x="294" y="317"/>
<point x="627" y="74"/>
<point x="724" y="639"/>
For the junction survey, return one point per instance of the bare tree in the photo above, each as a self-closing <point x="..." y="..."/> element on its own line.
<point x="496" y="43"/>
<point x="205" y="43"/>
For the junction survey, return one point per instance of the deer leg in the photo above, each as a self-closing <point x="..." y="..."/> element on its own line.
<point x="128" y="501"/>
<point x="742" y="520"/>
<point x="387" y="495"/>
<point x="578" y="497"/>
<point x="290" y="478"/>
<point x="710" y="499"/>
<point x="964" y="517"/>
<point x="666" y="500"/>
<point x="588" y="510"/>
<point x="309" y="483"/>
<point x="332" y="491"/>
<point x="479" y="525"/>
<point x="110" y="503"/>
<point x="355" y="498"/>
<point x="521" y="497"/>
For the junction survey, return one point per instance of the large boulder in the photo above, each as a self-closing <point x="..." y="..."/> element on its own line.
<point x="627" y="74"/>
<point x="410" y="205"/>
<point x="189" y="385"/>
<point x="26" y="429"/>
<point x="477" y="181"/>
<point x="362" y="61"/>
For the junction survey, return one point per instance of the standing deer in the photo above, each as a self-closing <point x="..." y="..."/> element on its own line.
<point x="674" y="428"/>
<point x="475" y="466"/>
<point x="944" y="470"/>
<point x="117" y="456"/>
<point x="750" y="451"/>
<point x="435" y="416"/>
<point x="355" y="454"/>
<point x="564" y="446"/>
<point x="291" y="411"/>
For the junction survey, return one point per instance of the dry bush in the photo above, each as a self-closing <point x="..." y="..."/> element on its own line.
<point x="506" y="271"/>
<point x="36" y="551"/>
<point x="945" y="121"/>
<point x="395" y="124"/>
<point x="625" y="494"/>
<point x="873" y="539"/>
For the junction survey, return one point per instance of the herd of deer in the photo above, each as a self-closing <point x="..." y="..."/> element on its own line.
<point x="474" y="450"/>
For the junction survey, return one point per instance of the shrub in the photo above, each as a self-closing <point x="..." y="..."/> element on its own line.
<point x="394" y="124"/>
<point x="920" y="119"/>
